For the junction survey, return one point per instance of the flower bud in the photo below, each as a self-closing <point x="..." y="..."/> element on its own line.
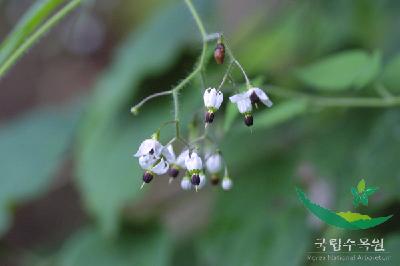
<point x="147" y="177"/>
<point x="214" y="163"/>
<point x="195" y="180"/>
<point x="227" y="183"/>
<point x="219" y="53"/>
<point x="248" y="120"/>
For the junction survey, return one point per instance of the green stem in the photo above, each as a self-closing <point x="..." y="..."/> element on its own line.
<point x="41" y="31"/>
<point x="197" y="19"/>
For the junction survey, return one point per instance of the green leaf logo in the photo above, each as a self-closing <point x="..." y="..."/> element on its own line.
<point x="347" y="220"/>
<point x="361" y="186"/>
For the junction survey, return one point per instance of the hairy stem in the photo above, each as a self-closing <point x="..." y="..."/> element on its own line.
<point x="135" y="109"/>
<point x="41" y="31"/>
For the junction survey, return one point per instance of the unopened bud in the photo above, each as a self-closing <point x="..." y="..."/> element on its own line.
<point x="219" y="53"/>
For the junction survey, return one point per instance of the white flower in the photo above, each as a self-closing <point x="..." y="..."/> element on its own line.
<point x="214" y="163"/>
<point x="160" y="168"/>
<point x="227" y="183"/>
<point x="213" y="98"/>
<point x="180" y="161"/>
<point x="186" y="184"/>
<point x="202" y="180"/>
<point x="256" y="95"/>
<point x="242" y="101"/>
<point x="193" y="162"/>
<point x="150" y="147"/>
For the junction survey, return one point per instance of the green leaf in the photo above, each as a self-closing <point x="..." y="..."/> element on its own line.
<point x="361" y="186"/>
<point x="391" y="74"/>
<point x="342" y="71"/>
<point x="31" y="150"/>
<point x="107" y="174"/>
<point x="145" y="247"/>
<point x="35" y="16"/>
<point x="30" y="40"/>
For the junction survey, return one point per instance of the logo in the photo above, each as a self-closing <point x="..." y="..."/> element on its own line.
<point x="346" y="220"/>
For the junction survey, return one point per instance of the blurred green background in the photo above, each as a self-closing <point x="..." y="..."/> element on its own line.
<point x="69" y="187"/>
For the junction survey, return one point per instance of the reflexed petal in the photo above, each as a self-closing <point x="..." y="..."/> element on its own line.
<point x="160" y="168"/>
<point x="147" y="145"/>
<point x="263" y="96"/>
<point x="169" y="154"/>
<point x="238" y="97"/>
<point x="180" y="161"/>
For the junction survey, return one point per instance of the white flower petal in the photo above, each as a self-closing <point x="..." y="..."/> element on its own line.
<point x="207" y="97"/>
<point x="244" y="105"/>
<point x="193" y="162"/>
<point x="186" y="184"/>
<point x="203" y="181"/>
<point x="180" y="161"/>
<point x="147" y="161"/>
<point x="160" y="168"/>
<point x="219" y="99"/>
<point x="214" y="163"/>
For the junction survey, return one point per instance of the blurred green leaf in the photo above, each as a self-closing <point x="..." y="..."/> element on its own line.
<point x="342" y="71"/>
<point x="391" y="74"/>
<point x="107" y="174"/>
<point x="257" y="218"/>
<point x="35" y="16"/>
<point x="31" y="150"/>
<point x="377" y="158"/>
<point x="146" y="247"/>
<point x="280" y="113"/>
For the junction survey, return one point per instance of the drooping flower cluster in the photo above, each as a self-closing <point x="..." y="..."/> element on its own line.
<point x="213" y="99"/>
<point x="157" y="159"/>
<point x="195" y="163"/>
